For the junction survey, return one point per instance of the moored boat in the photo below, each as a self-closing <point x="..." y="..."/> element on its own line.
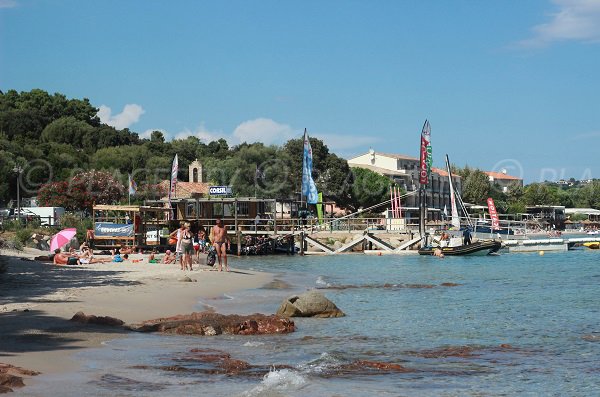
<point x="481" y="247"/>
<point x="592" y="244"/>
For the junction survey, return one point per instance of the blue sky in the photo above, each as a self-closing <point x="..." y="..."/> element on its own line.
<point x="505" y="84"/>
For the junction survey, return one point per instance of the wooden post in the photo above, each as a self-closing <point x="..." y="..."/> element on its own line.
<point x="302" y="243"/>
<point x="275" y="219"/>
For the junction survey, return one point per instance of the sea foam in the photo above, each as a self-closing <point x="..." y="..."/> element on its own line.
<point x="278" y="380"/>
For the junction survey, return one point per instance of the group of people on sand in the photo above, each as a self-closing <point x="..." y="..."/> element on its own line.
<point x="82" y="257"/>
<point x="188" y="245"/>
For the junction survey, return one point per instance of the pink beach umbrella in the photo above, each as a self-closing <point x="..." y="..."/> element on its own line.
<point x="61" y="238"/>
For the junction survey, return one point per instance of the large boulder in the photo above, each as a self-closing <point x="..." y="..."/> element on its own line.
<point x="309" y="304"/>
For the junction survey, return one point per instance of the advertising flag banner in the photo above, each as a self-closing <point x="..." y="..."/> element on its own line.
<point x="493" y="214"/>
<point x="309" y="189"/>
<point x="426" y="158"/>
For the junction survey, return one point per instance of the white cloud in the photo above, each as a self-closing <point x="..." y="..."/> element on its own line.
<point x="148" y="133"/>
<point x="270" y="132"/>
<point x="8" y="3"/>
<point x="574" y="20"/>
<point x="263" y="130"/>
<point x="202" y="133"/>
<point x="130" y="115"/>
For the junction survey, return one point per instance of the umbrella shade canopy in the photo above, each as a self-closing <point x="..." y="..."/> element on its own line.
<point x="61" y="238"/>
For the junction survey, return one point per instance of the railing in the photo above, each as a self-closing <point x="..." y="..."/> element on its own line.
<point x="27" y="220"/>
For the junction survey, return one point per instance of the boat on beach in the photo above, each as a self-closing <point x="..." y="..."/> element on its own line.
<point x="448" y="245"/>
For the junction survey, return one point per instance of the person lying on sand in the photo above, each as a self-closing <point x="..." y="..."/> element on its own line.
<point x="60" y="259"/>
<point x="87" y="257"/>
<point x="126" y="250"/>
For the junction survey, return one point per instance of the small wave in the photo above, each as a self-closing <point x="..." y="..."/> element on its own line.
<point x="321" y="282"/>
<point x="324" y="363"/>
<point x="253" y="344"/>
<point x="278" y="380"/>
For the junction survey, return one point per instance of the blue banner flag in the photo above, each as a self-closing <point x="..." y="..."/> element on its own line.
<point x="309" y="189"/>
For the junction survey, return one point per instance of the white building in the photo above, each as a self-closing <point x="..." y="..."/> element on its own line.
<point x="404" y="170"/>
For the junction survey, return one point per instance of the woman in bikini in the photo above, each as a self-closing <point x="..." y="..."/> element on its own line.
<point x="186" y="247"/>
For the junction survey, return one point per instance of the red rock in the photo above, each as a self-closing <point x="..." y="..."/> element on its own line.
<point x="451" y="351"/>
<point x="209" y="323"/>
<point x="449" y="285"/>
<point x="382" y="366"/>
<point x="81" y="317"/>
<point x="11" y="380"/>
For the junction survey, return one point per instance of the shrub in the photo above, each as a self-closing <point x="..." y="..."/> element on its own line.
<point x="82" y="225"/>
<point x="23" y="235"/>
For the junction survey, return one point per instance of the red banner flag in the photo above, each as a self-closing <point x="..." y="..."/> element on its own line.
<point x="426" y="160"/>
<point x="493" y="214"/>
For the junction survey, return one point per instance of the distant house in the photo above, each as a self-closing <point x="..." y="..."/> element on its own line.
<point x="404" y="170"/>
<point x="503" y="180"/>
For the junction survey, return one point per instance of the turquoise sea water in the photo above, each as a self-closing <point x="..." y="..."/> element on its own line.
<point x="526" y="325"/>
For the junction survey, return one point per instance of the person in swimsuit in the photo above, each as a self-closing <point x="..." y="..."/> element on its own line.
<point x="221" y="243"/>
<point x="186" y="247"/>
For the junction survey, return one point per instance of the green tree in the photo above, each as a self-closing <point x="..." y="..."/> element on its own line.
<point x="539" y="194"/>
<point x="67" y="130"/>
<point x="369" y="188"/>
<point x="476" y="187"/>
<point x="589" y="195"/>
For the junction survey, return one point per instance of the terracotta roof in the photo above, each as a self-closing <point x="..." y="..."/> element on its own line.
<point x="186" y="189"/>
<point x="442" y="172"/>
<point x="500" y="175"/>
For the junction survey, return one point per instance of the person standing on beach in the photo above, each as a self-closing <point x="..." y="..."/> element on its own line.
<point x="178" y="253"/>
<point x="221" y="243"/>
<point x="186" y="246"/>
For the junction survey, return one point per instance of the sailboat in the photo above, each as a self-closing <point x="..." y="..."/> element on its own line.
<point x="456" y="245"/>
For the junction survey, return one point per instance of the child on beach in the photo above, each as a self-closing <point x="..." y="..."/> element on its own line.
<point x="169" y="258"/>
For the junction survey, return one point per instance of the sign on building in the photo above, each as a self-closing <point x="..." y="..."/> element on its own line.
<point x="219" y="190"/>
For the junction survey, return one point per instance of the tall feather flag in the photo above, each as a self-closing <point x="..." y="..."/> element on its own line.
<point x="173" y="187"/>
<point x="174" y="171"/>
<point x="309" y="189"/>
<point x="426" y="158"/>
<point x="132" y="186"/>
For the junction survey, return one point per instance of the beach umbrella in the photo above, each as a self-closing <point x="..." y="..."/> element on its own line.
<point x="61" y="238"/>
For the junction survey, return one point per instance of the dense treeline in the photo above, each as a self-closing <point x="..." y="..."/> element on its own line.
<point x="56" y="139"/>
<point x="476" y="189"/>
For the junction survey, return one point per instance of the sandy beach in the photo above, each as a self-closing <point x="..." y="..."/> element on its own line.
<point x="37" y="300"/>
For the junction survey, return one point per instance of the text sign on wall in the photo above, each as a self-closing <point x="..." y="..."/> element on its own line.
<point x="108" y="229"/>
<point x="219" y="190"/>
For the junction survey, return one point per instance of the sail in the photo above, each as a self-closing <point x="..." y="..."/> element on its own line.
<point x="455" y="219"/>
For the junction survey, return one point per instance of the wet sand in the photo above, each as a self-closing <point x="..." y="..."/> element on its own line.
<point x="38" y="299"/>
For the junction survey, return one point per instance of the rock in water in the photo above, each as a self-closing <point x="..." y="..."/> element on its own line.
<point x="309" y="304"/>
<point x="208" y="323"/>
